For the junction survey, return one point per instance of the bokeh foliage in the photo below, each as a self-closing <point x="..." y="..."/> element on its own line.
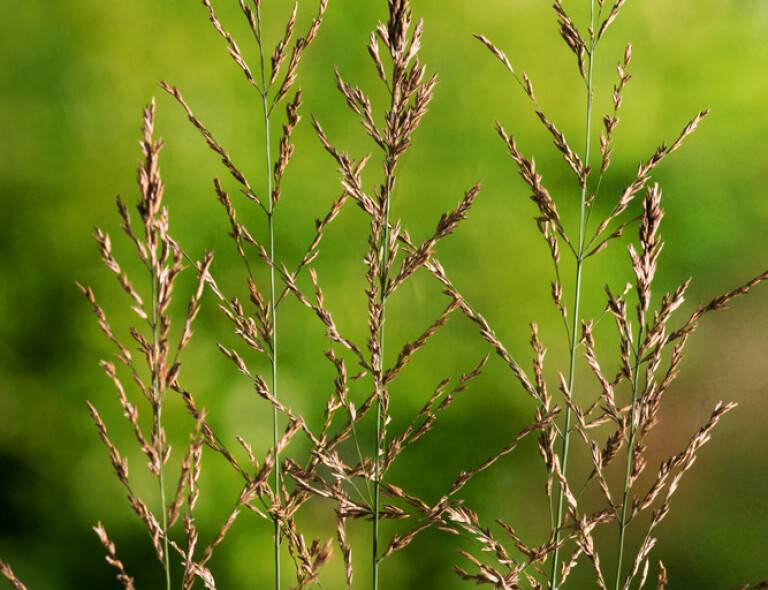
<point x="75" y="76"/>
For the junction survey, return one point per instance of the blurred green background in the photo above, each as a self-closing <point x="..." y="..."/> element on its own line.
<point x="74" y="79"/>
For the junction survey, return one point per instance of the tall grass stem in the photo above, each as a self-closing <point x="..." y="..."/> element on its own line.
<point x="577" y="301"/>
<point x="272" y="287"/>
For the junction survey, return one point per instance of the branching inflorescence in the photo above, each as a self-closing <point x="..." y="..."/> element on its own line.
<point x="259" y="329"/>
<point x="351" y="449"/>
<point x="607" y="425"/>
<point x="163" y="260"/>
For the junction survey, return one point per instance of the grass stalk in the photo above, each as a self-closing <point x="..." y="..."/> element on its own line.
<point x="628" y="471"/>
<point x="376" y="498"/>
<point x="321" y="471"/>
<point x="164" y="524"/>
<point x="384" y="256"/>
<point x="273" y="299"/>
<point x="157" y="419"/>
<point x="577" y="301"/>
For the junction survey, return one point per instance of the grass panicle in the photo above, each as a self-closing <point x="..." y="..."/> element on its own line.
<point x="606" y="425"/>
<point x="260" y="330"/>
<point x="160" y="348"/>
<point x="340" y="463"/>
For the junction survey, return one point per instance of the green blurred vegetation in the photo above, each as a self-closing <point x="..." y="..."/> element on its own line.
<point x="75" y="76"/>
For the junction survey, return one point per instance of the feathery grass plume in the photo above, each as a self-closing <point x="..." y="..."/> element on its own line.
<point x="392" y="258"/>
<point x="410" y="95"/>
<point x="161" y="351"/>
<point x="273" y="83"/>
<point x="613" y="426"/>
<point x="643" y="342"/>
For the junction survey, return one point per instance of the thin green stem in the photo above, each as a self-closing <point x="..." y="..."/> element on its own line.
<point x="384" y="258"/>
<point x="272" y="287"/>
<point x="359" y="450"/>
<point x="376" y="499"/>
<point x="630" y="451"/>
<point x="164" y="520"/>
<point x="567" y="424"/>
<point x="159" y="431"/>
<point x="576" y="308"/>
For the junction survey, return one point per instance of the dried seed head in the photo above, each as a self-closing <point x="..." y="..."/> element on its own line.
<point x="500" y="55"/>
